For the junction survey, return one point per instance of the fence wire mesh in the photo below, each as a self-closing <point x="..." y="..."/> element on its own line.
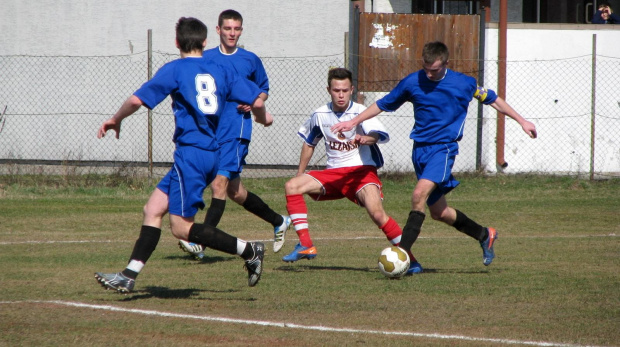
<point x="52" y="107"/>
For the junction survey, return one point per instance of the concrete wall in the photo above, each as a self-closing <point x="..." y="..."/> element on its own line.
<point x="272" y="28"/>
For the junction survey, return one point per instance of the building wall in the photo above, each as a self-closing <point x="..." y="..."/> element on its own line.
<point x="272" y="28"/>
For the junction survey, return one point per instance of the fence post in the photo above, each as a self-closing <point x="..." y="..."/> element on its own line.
<point x="593" y="115"/>
<point x="481" y="60"/>
<point x="150" y="112"/>
<point x="353" y="53"/>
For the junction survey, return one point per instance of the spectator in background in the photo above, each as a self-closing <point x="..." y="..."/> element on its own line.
<point x="605" y="15"/>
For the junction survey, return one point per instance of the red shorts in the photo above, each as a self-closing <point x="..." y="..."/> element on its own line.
<point x="345" y="182"/>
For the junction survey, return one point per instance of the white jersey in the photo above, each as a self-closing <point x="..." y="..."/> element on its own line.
<point x="341" y="149"/>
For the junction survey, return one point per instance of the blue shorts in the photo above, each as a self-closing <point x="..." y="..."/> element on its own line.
<point x="232" y="157"/>
<point x="434" y="162"/>
<point x="193" y="170"/>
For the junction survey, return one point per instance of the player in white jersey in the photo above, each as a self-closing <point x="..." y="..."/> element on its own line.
<point x="352" y="161"/>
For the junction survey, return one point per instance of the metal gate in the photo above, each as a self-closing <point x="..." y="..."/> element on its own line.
<point x="390" y="46"/>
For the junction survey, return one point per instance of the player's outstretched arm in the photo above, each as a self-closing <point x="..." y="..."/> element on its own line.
<point x="502" y="106"/>
<point x="129" y="107"/>
<point x="368" y="113"/>
<point x="260" y="113"/>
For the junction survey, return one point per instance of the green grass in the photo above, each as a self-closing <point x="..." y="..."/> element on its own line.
<point x="556" y="277"/>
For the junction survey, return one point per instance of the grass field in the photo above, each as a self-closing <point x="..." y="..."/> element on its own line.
<point x="555" y="281"/>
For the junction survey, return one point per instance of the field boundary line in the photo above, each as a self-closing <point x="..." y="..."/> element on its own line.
<point x="293" y="325"/>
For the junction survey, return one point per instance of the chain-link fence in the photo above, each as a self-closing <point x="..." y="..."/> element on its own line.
<point x="53" y="105"/>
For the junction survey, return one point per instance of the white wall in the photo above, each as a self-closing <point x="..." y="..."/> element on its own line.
<point x="272" y="28"/>
<point x="563" y="98"/>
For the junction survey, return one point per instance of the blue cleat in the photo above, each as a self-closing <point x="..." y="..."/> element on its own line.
<point x="487" y="247"/>
<point x="300" y="252"/>
<point x="414" y="268"/>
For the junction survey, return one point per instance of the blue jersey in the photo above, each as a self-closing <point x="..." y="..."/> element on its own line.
<point x="440" y="107"/>
<point x="199" y="90"/>
<point x="249" y="66"/>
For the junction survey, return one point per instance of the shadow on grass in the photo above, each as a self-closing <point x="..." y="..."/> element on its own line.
<point x="208" y="259"/>
<point x="302" y="268"/>
<point x="167" y="293"/>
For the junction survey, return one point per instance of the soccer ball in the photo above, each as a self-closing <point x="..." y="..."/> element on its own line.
<point x="394" y="262"/>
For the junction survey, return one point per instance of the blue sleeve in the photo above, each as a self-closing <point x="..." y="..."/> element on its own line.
<point x="241" y="90"/>
<point x="155" y="90"/>
<point x="396" y="98"/>
<point x="260" y="76"/>
<point x="614" y="19"/>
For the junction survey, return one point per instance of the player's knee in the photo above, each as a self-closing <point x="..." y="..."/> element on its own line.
<point x="291" y="187"/>
<point x="440" y="215"/>
<point x="150" y="211"/>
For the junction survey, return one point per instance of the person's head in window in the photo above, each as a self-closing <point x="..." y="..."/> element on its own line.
<point x="605" y="15"/>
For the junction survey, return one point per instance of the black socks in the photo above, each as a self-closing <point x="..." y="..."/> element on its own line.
<point x="212" y="237"/>
<point x="144" y="247"/>
<point x="412" y="229"/>
<point x="215" y="212"/>
<point x="469" y="227"/>
<point x="258" y="207"/>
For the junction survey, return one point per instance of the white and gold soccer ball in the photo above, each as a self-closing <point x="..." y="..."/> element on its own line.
<point x="394" y="262"/>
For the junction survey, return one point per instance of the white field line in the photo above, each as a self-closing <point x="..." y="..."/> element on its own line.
<point x="330" y="238"/>
<point x="292" y="325"/>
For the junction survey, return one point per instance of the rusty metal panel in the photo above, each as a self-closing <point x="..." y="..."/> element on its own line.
<point x="390" y="45"/>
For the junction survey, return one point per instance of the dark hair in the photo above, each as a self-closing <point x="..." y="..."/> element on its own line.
<point x="434" y="51"/>
<point x="229" y="14"/>
<point x="191" y="34"/>
<point x="339" y="73"/>
<point x="603" y="4"/>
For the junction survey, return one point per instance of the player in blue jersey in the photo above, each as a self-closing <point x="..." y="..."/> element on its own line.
<point x="440" y="98"/>
<point x="234" y="135"/>
<point x="352" y="161"/>
<point x="199" y="90"/>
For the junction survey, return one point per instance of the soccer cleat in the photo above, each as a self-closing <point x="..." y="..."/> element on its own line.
<point x="117" y="281"/>
<point x="196" y="250"/>
<point x="414" y="268"/>
<point x="279" y="233"/>
<point x="254" y="265"/>
<point x="300" y="252"/>
<point x="487" y="247"/>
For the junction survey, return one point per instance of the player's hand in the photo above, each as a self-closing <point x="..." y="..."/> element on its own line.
<point x="243" y="108"/>
<point x="359" y="139"/>
<point x="110" y="124"/>
<point x="530" y="129"/>
<point x="268" y="119"/>
<point x="342" y="127"/>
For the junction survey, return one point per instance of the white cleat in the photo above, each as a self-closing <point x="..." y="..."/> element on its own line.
<point x="196" y="250"/>
<point x="279" y="233"/>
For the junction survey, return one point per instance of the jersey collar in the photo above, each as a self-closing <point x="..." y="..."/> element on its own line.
<point x="339" y="114"/>
<point x="224" y="53"/>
